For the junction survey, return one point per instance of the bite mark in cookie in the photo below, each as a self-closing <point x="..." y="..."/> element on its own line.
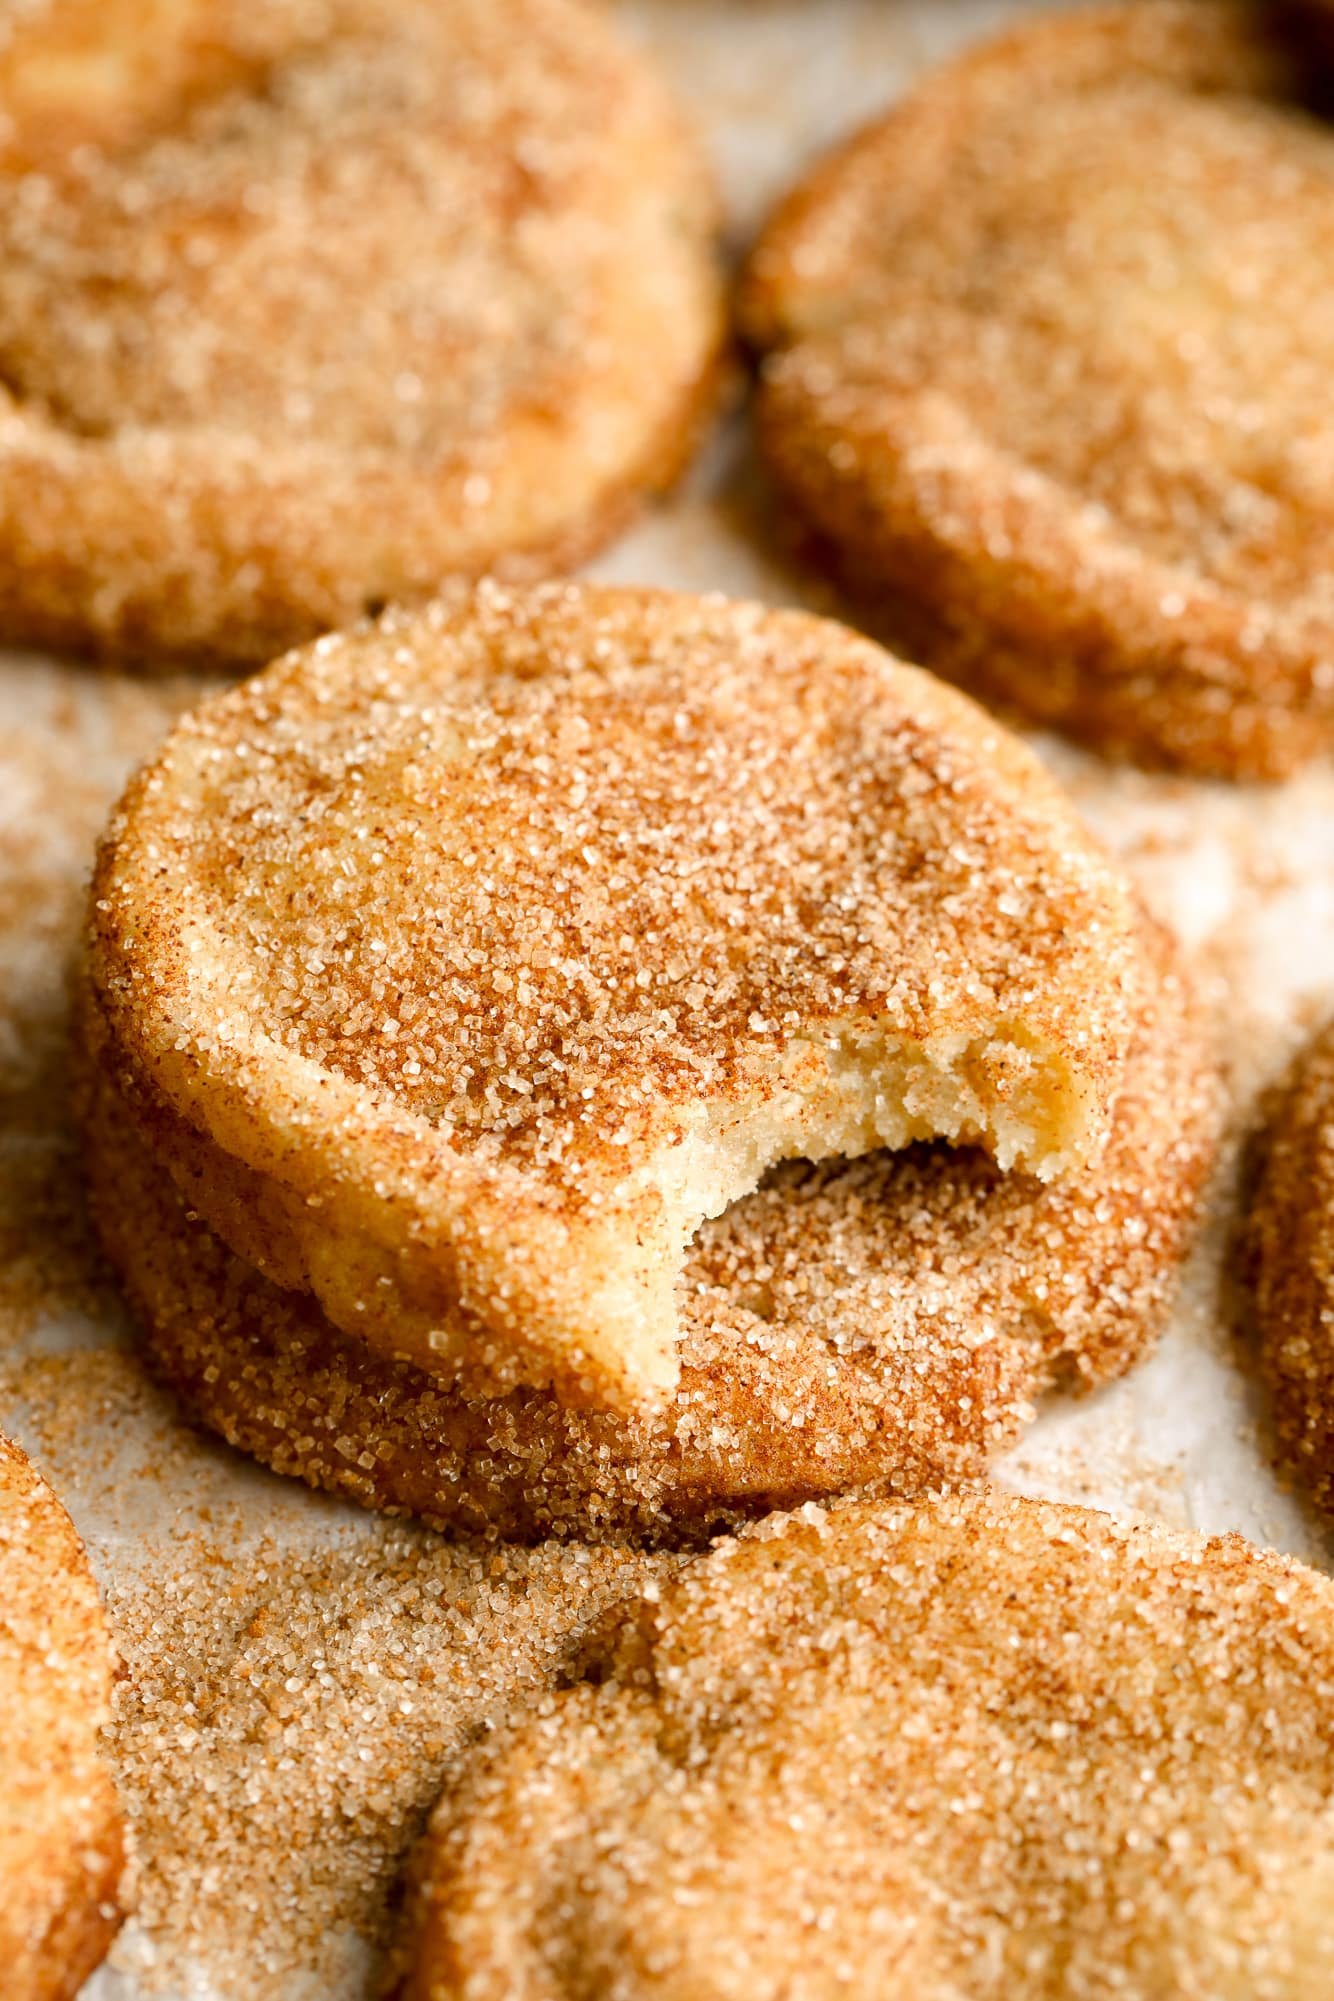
<point x="482" y="955"/>
<point x="889" y="1322"/>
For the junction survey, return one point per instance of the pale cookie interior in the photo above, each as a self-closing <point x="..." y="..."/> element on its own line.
<point x="497" y="950"/>
<point x="892" y="1319"/>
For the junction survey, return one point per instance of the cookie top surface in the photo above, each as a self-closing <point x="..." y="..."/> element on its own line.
<point x="1065" y="313"/>
<point x="1005" y="1748"/>
<point x="559" y="917"/>
<point x="394" y="287"/>
<point x="884" y="1322"/>
<point x="1290" y="1232"/>
<point x="61" y="1841"/>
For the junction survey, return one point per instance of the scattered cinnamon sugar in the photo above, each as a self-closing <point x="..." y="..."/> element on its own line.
<point x="287" y="1716"/>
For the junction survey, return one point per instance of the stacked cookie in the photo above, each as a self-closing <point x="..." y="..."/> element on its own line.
<point x="446" y="978"/>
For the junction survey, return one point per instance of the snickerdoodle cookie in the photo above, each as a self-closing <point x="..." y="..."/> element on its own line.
<point x="981" y="1750"/>
<point x="888" y="1321"/>
<point x="459" y="967"/>
<point x="62" y="1850"/>
<point x="308" y="304"/>
<point x="1290" y="1265"/>
<point x="1048" y="357"/>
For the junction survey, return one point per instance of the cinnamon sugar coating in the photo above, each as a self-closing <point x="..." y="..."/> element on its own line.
<point x="981" y="1750"/>
<point x="307" y="305"/>
<point x="464" y="964"/>
<point x="1290" y="1260"/>
<point x="1048" y="353"/>
<point x="62" y="1851"/>
<point x="889" y="1321"/>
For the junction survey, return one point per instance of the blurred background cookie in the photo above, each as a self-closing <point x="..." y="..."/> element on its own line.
<point x="1290" y="1264"/>
<point x="304" y="306"/>
<point x="980" y="1748"/>
<point x="1048" y="355"/>
<point x="62" y="1852"/>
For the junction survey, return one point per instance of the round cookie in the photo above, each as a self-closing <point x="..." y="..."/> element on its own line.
<point x="981" y="1750"/>
<point x="463" y="964"/>
<point x="306" y="306"/>
<point x="1290" y="1260"/>
<point x="62" y="1848"/>
<point x="888" y="1321"/>
<point x="1047" y="365"/>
